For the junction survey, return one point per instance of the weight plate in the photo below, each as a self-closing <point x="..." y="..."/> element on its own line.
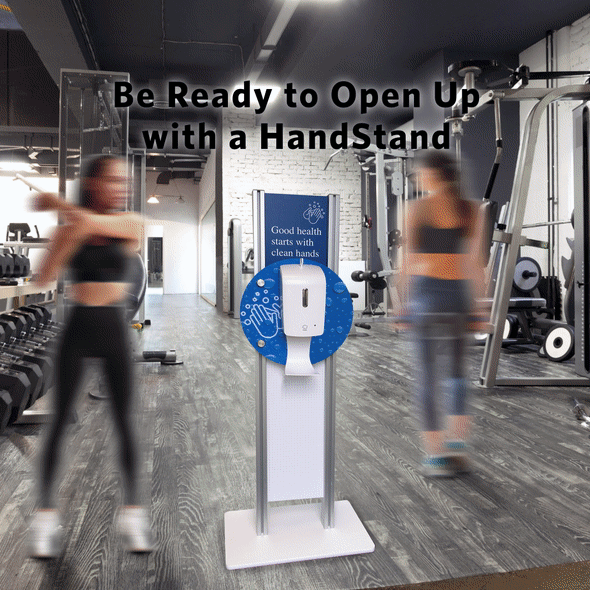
<point x="559" y="343"/>
<point x="527" y="274"/>
<point x="510" y="327"/>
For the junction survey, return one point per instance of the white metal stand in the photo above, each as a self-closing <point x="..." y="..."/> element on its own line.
<point x="295" y="434"/>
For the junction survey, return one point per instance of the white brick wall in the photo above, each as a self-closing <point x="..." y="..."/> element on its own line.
<point x="580" y="44"/>
<point x="286" y="171"/>
<point x="572" y="52"/>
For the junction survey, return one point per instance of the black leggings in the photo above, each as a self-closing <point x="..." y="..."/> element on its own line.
<point x="93" y="332"/>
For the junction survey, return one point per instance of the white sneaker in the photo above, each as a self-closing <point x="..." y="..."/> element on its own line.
<point x="133" y="525"/>
<point x="45" y="534"/>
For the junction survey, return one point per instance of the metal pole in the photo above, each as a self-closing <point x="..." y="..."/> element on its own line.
<point x="142" y="155"/>
<point x="544" y="223"/>
<point x="261" y="414"/>
<point x="62" y="152"/>
<point x="327" y="508"/>
<point x="235" y="266"/>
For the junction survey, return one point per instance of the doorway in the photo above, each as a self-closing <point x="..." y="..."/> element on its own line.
<point x="154" y="260"/>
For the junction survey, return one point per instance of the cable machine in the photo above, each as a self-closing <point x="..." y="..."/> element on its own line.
<point x="508" y="236"/>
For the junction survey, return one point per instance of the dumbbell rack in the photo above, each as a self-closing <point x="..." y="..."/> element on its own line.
<point x="9" y="301"/>
<point x="40" y="358"/>
<point x="24" y="288"/>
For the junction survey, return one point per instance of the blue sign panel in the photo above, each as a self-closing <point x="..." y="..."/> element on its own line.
<point x="296" y="226"/>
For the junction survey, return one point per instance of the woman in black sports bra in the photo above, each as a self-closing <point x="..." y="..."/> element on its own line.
<point x="444" y="268"/>
<point x="95" y="244"/>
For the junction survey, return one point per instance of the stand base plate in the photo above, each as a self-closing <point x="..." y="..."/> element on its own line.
<point x="295" y="534"/>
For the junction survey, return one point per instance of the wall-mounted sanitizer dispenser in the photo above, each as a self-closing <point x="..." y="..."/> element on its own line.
<point x="303" y="289"/>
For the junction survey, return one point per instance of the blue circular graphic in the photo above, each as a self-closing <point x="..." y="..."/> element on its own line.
<point x="262" y="321"/>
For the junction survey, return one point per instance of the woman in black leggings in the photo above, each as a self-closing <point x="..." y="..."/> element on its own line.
<point x="95" y="244"/>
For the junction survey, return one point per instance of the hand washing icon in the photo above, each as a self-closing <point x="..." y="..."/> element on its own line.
<point x="266" y="320"/>
<point x="313" y="213"/>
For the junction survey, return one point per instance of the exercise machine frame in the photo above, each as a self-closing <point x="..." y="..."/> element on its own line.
<point x="511" y="237"/>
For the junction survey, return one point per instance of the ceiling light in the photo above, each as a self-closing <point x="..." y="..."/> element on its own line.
<point x="15" y="162"/>
<point x="16" y="166"/>
<point x="156" y="198"/>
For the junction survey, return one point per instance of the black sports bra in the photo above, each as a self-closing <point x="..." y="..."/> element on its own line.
<point x="440" y="240"/>
<point x="101" y="264"/>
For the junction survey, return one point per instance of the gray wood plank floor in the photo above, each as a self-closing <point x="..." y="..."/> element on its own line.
<point x="526" y="504"/>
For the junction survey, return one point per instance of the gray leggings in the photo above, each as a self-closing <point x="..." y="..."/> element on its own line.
<point x="439" y="296"/>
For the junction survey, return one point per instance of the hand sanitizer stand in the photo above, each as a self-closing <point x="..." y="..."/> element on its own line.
<point x="295" y="412"/>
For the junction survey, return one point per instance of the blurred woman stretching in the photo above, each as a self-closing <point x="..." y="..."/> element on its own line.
<point x="95" y="244"/>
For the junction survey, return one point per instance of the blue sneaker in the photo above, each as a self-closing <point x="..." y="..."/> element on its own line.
<point x="457" y="453"/>
<point x="438" y="467"/>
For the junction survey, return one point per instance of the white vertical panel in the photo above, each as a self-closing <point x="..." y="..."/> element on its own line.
<point x="295" y="434"/>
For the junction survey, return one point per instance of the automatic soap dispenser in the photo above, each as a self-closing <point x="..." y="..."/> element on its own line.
<point x="303" y="289"/>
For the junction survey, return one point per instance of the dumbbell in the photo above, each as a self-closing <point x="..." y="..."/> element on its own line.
<point x="36" y="317"/>
<point x="33" y="325"/>
<point x="19" y="387"/>
<point x="26" y="266"/>
<point x="32" y="370"/>
<point x="6" y="264"/>
<point x="13" y="343"/>
<point x="26" y="323"/>
<point x="48" y="322"/>
<point x="5" y="409"/>
<point x="32" y="381"/>
<point x="22" y="329"/>
<point x="164" y="357"/>
<point x="36" y="355"/>
<point x="41" y="325"/>
<point x="21" y="265"/>
<point x="16" y="267"/>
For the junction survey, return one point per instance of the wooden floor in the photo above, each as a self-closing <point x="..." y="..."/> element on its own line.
<point x="526" y="505"/>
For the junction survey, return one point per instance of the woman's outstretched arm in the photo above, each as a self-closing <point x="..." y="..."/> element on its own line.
<point x="122" y="226"/>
